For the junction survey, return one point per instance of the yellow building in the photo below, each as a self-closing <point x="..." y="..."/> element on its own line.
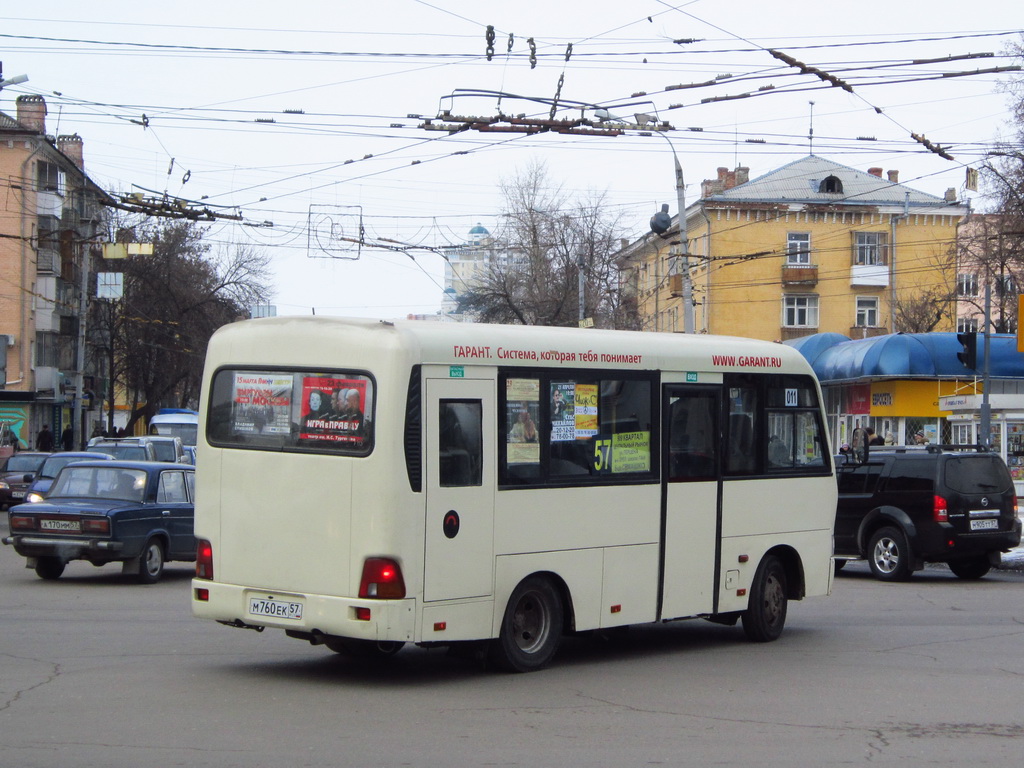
<point x="812" y="247"/>
<point x="50" y="217"/>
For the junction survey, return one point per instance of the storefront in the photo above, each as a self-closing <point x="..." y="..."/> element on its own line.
<point x="1006" y="433"/>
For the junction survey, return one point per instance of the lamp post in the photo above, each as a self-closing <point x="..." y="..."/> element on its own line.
<point x="684" y="244"/>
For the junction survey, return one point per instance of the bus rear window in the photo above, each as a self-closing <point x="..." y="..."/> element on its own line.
<point x="317" y="411"/>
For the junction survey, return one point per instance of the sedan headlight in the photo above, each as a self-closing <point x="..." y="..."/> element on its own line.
<point x="4" y="486"/>
<point x="33" y="497"/>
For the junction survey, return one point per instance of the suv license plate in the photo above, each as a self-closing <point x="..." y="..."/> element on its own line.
<point x="277" y="609"/>
<point x="984" y="525"/>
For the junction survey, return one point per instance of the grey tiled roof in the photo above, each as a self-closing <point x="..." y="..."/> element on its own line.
<point x="799" y="181"/>
<point x="9" y="123"/>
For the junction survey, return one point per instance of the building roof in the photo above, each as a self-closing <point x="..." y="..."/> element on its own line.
<point x="836" y="358"/>
<point x="8" y="123"/>
<point x="800" y="181"/>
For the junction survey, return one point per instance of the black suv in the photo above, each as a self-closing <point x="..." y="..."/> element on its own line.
<point x="900" y="508"/>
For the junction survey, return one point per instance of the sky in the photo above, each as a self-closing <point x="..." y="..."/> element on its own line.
<point x="305" y="121"/>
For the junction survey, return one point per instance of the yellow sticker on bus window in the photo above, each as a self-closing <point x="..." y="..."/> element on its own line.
<point x="631" y="452"/>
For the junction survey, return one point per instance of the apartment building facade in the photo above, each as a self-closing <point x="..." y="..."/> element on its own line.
<point x="811" y="247"/>
<point x="51" y="216"/>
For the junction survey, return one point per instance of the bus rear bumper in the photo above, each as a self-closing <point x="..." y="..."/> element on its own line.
<point x="305" y="614"/>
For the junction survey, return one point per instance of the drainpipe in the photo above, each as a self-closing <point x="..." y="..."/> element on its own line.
<point x="892" y="260"/>
<point x="707" y="269"/>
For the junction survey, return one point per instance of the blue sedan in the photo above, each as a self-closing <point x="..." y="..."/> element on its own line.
<point x="139" y="513"/>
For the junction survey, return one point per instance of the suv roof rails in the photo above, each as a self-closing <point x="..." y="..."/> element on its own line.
<point x="931" y="448"/>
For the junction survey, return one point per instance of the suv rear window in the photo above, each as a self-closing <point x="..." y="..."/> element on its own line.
<point x="971" y="474"/>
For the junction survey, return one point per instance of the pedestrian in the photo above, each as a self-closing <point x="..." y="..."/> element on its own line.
<point x="874" y="439"/>
<point x="67" y="439"/>
<point x="44" y="440"/>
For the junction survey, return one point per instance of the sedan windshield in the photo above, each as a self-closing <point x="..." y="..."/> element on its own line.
<point x="99" y="483"/>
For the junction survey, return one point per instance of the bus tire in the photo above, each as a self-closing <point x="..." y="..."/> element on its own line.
<point x="364" y="649"/>
<point x="531" y="629"/>
<point x="766" y="612"/>
<point x="49" y="567"/>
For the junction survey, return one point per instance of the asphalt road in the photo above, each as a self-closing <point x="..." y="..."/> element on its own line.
<point x="98" y="671"/>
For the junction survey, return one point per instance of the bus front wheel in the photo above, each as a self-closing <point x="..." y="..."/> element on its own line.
<point x="766" y="612"/>
<point x="531" y="629"/>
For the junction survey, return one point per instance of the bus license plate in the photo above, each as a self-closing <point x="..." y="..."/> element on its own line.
<point x="276" y="609"/>
<point x="984" y="525"/>
<point x="59" y="525"/>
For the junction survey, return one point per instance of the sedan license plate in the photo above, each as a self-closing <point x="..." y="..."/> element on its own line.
<point x="276" y="609"/>
<point x="59" y="525"/>
<point x="17" y="494"/>
<point x="984" y="525"/>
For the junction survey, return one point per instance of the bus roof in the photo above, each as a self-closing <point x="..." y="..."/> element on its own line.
<point x="273" y="341"/>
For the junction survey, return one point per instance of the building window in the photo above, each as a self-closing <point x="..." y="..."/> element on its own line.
<point x="49" y="178"/>
<point x="870" y="248"/>
<point x="798" y="249"/>
<point x="46" y="349"/>
<point x="831" y="185"/>
<point x="967" y="284"/>
<point x="967" y="325"/>
<point x="867" y="311"/>
<point x="1006" y="286"/>
<point x="800" y="311"/>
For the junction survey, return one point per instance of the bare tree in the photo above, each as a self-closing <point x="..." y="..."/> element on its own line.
<point x="534" y="275"/>
<point x="173" y="301"/>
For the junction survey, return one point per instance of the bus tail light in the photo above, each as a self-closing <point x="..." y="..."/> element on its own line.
<point x="204" y="559"/>
<point x="382" y="579"/>
<point x="940" y="511"/>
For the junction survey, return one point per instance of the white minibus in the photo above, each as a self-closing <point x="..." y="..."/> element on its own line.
<point x="369" y="484"/>
<point x="176" y="422"/>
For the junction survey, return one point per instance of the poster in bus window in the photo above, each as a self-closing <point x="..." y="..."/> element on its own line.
<point x="333" y="410"/>
<point x="261" y="403"/>
<point x="522" y="400"/>
<point x="586" y="411"/>
<point x="563" y="411"/>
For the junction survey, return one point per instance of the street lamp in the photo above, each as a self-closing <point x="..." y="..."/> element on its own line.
<point x="684" y="245"/>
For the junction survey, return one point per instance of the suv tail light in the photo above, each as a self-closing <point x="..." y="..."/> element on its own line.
<point x="382" y="579"/>
<point x="940" y="510"/>
<point x="204" y="559"/>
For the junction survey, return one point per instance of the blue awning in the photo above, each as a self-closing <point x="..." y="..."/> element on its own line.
<point x="835" y="357"/>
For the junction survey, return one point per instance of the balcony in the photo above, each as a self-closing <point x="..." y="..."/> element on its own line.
<point x="871" y="275"/>
<point x="867" y="332"/>
<point x="786" y="333"/>
<point x="800" y="274"/>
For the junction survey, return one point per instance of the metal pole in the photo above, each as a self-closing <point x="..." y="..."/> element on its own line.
<point x="80" y="356"/>
<point x="986" y="411"/>
<point x="684" y="242"/>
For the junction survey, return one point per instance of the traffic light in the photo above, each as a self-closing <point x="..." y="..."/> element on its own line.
<point x="969" y="355"/>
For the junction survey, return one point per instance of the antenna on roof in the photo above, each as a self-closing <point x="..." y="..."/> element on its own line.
<point x="810" y="132"/>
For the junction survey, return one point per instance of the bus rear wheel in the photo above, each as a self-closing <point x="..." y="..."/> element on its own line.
<point x="364" y="649"/>
<point x="531" y="629"/>
<point x="766" y="612"/>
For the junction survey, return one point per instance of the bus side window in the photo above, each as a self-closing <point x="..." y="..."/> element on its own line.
<point x="460" y="443"/>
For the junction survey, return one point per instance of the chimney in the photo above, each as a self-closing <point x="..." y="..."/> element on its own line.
<point x="32" y="112"/>
<point x="894" y="176"/>
<point x="950" y="195"/>
<point x="71" y="146"/>
<point x="875" y="172"/>
<point x="742" y="175"/>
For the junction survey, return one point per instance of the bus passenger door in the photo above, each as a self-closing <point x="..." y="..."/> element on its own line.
<point x="690" y="514"/>
<point x="460" y="429"/>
